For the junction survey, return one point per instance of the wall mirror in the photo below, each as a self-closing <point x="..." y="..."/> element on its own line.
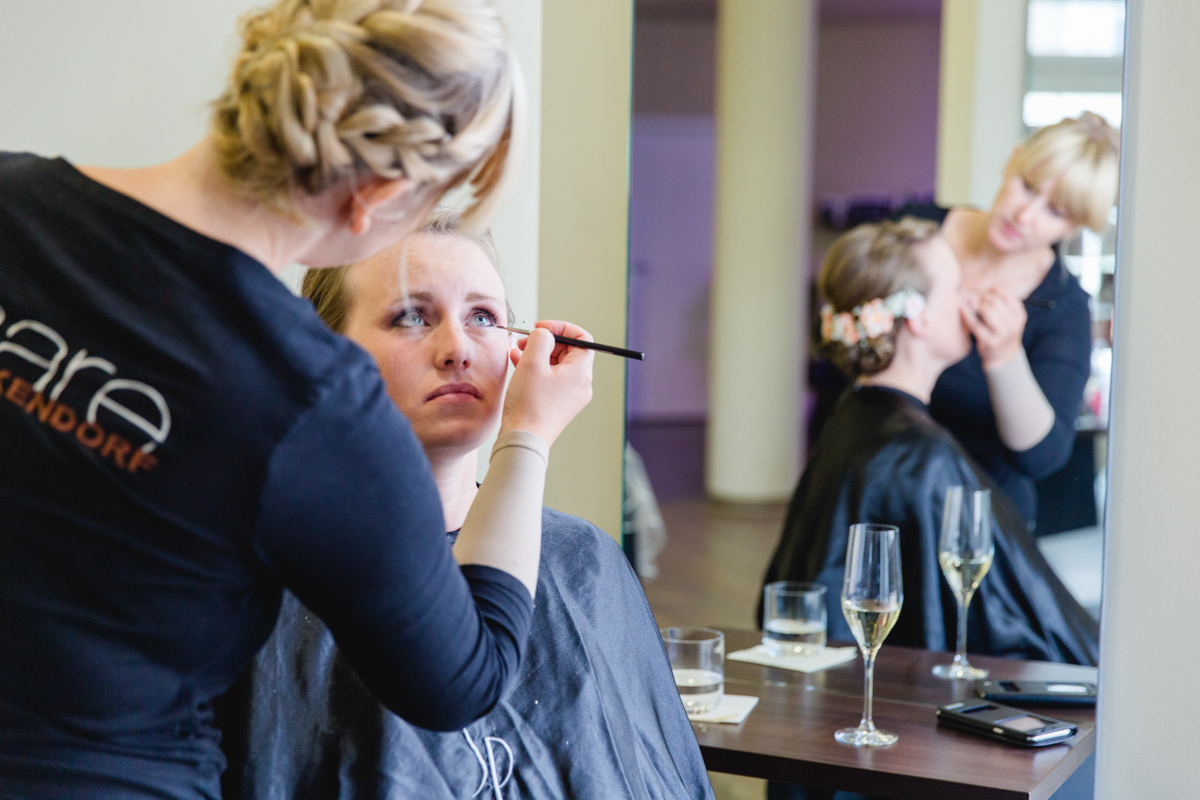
<point x="880" y="68"/>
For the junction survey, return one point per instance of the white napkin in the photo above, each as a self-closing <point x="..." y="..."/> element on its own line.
<point x="829" y="657"/>
<point x="733" y="708"/>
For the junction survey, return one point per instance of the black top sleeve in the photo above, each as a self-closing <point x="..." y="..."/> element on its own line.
<point x="1060" y="359"/>
<point x="351" y="522"/>
<point x="1059" y="351"/>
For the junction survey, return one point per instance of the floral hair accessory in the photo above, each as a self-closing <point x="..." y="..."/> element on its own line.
<point x="871" y="320"/>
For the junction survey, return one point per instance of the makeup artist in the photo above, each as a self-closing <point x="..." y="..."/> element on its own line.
<point x="181" y="438"/>
<point x="1013" y="400"/>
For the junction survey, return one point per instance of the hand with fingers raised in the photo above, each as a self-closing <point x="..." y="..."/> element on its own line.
<point x="552" y="382"/>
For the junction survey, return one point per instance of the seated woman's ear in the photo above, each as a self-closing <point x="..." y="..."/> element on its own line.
<point x="919" y="325"/>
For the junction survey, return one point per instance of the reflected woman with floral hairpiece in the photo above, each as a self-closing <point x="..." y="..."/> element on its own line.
<point x="893" y="322"/>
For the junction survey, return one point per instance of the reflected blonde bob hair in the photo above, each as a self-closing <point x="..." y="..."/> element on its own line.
<point x="1084" y="156"/>
<point x="325" y="92"/>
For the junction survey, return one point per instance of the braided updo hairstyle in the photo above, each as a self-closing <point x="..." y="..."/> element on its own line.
<point x="326" y="89"/>
<point x="872" y="262"/>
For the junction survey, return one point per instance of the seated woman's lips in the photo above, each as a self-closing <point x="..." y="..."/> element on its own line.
<point x="454" y="392"/>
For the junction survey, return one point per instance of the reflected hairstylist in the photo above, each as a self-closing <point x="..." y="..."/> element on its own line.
<point x="1013" y="400"/>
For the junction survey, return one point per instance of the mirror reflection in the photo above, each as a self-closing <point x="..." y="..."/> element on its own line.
<point x="1016" y="170"/>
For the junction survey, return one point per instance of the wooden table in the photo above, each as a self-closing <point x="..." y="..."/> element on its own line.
<point x="789" y="734"/>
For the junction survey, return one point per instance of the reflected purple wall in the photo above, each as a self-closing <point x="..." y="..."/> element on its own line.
<point x="876" y="132"/>
<point x="877" y="106"/>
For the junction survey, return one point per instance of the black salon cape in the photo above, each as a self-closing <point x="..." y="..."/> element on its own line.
<point x="881" y="458"/>
<point x="594" y="712"/>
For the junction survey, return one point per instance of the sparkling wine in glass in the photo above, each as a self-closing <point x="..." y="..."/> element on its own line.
<point x="872" y="595"/>
<point x="965" y="553"/>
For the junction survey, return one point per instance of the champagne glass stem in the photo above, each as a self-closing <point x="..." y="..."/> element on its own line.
<point x="961" y="656"/>
<point x="960" y="668"/>
<point x="868" y="690"/>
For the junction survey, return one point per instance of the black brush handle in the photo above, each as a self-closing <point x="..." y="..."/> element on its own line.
<point x="603" y="348"/>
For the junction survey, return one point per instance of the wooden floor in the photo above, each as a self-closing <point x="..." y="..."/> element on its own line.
<point x="712" y="568"/>
<point x="710" y="574"/>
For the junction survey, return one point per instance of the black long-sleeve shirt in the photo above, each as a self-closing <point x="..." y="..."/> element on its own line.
<point x="1058" y="344"/>
<point x="180" y="438"/>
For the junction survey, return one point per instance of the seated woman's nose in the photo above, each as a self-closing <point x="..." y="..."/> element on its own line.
<point x="453" y="345"/>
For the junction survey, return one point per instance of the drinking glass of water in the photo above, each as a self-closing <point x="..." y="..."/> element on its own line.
<point x="698" y="661"/>
<point x="794" y="618"/>
<point x="872" y="595"/>
<point x="965" y="553"/>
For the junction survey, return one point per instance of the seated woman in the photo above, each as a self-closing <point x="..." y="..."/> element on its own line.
<point x="594" y="711"/>
<point x="894" y="321"/>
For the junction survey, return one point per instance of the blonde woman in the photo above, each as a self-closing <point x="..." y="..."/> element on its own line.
<point x="182" y="438"/>
<point x="594" y="711"/>
<point x="892" y="321"/>
<point x="1013" y="401"/>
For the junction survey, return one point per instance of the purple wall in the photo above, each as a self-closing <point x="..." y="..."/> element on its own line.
<point x="674" y="65"/>
<point x="877" y="106"/>
<point x="876" y="134"/>
<point x="670" y="265"/>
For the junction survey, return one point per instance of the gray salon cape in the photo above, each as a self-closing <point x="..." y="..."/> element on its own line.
<point x="882" y="458"/>
<point x="594" y="712"/>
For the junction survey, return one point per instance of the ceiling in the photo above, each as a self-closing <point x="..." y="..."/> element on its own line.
<point x="830" y="10"/>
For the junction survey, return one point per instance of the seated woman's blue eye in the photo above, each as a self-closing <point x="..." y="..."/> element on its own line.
<point x="409" y="318"/>
<point x="483" y="318"/>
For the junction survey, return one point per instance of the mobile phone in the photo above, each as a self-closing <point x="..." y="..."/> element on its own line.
<point x="1043" y="693"/>
<point x="1008" y="724"/>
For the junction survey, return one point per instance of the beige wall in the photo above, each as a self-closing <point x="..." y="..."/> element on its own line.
<point x="587" y="51"/>
<point x="982" y="85"/>
<point x="99" y="83"/>
<point x="766" y="57"/>
<point x="1149" y="701"/>
<point x="515" y="226"/>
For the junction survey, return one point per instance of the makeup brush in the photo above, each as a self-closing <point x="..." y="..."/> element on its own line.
<point x="603" y="348"/>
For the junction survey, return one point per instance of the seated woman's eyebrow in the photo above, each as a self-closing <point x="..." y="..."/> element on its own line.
<point x="428" y="297"/>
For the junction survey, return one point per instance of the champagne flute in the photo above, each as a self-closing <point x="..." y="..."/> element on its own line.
<point x="872" y="594"/>
<point x="965" y="553"/>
